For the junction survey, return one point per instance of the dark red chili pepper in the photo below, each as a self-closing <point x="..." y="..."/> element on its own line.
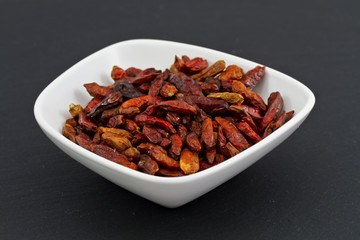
<point x="113" y="100"/>
<point x="97" y="91"/>
<point x="252" y="77"/>
<point x="143" y="119"/>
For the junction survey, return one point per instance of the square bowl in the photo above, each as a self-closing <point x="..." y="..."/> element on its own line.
<point x="52" y="104"/>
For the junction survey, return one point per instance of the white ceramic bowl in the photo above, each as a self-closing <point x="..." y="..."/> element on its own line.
<point x="51" y="111"/>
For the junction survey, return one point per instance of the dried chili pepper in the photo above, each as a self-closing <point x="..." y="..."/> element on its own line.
<point x="228" y="97"/>
<point x="145" y="147"/>
<point x="165" y="143"/>
<point x="254" y="112"/>
<point x="211" y="71"/>
<point x="209" y="105"/>
<point x="138" y="138"/>
<point x="169" y="173"/>
<point x="113" y="100"/>
<point x="131" y="126"/>
<point x="250" y="96"/>
<point x="226" y="85"/>
<point x="148" y="165"/>
<point x="97" y="91"/>
<point x="219" y="158"/>
<point x="195" y="127"/>
<point x="192" y="141"/>
<point x="252" y="77"/>
<point x="275" y="124"/>
<point x="207" y="133"/>
<point x="115" y="121"/>
<point x="143" y="119"/>
<point x="248" y="131"/>
<point x="176" y="145"/>
<point x="71" y="121"/>
<point x="177" y="106"/>
<point x="144" y="88"/>
<point x="208" y="88"/>
<point x="139" y="102"/>
<point x="152" y="135"/>
<point x="156" y="85"/>
<point x="230" y="150"/>
<point x="69" y="132"/>
<point x="84" y="141"/>
<point x="117" y="73"/>
<point x="185" y="84"/>
<point x="127" y="89"/>
<point x="160" y="156"/>
<point x="205" y="165"/>
<point x="182" y="131"/>
<point x="275" y="104"/>
<point x="196" y="65"/>
<point x="132" y="154"/>
<point x="221" y="140"/>
<point x="232" y="72"/>
<point x="146" y="75"/>
<point x="117" y="142"/>
<point x="189" y="161"/>
<point x="168" y="91"/>
<point x="162" y="132"/>
<point x="86" y="124"/>
<point x="117" y="131"/>
<point x="173" y="118"/>
<point x="232" y="134"/>
<point x="107" y="114"/>
<point x="210" y="154"/>
<point x="132" y="72"/>
<point x="244" y="116"/>
<point x="129" y="112"/>
<point x="110" y="154"/>
<point x="92" y="104"/>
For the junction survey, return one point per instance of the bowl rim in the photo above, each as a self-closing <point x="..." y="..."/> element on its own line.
<point x="50" y="130"/>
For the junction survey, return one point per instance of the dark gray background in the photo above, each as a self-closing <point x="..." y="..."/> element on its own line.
<point x="307" y="188"/>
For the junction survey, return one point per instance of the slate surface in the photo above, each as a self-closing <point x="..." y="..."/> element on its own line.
<point x="307" y="188"/>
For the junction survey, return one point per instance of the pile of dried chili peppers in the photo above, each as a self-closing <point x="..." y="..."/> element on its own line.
<point x="178" y="121"/>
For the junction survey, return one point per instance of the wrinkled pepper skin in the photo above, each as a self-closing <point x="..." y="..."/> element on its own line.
<point x="275" y="105"/>
<point x="176" y="145"/>
<point x="127" y="89"/>
<point x="211" y="71"/>
<point x="114" y="156"/>
<point x="160" y="156"/>
<point x="189" y="161"/>
<point x="250" y="97"/>
<point x="156" y="85"/>
<point x="180" y="107"/>
<point x="152" y="135"/>
<point x="113" y="100"/>
<point x="245" y="128"/>
<point x="169" y="173"/>
<point x="232" y="72"/>
<point x="252" y="77"/>
<point x="185" y="84"/>
<point x="147" y="165"/>
<point x="143" y="119"/>
<point x="207" y="133"/>
<point x="97" y="91"/>
<point x="140" y="102"/>
<point x="209" y="105"/>
<point x="232" y="134"/>
<point x="192" y="141"/>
